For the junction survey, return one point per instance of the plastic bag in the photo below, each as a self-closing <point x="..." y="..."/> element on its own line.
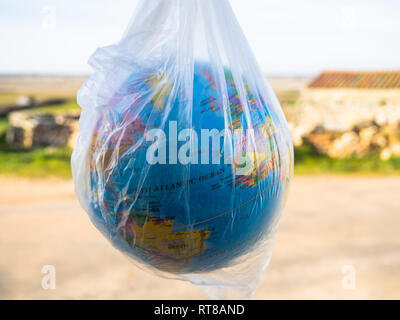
<point x="184" y="159"/>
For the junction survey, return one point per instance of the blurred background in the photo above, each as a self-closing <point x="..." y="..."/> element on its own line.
<point x="335" y="67"/>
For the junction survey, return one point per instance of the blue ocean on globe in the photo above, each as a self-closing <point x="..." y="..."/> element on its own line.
<point x="184" y="218"/>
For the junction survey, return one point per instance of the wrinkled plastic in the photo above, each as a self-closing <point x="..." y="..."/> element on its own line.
<point x="176" y="203"/>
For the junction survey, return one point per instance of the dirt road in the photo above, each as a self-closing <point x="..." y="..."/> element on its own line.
<point x="332" y="229"/>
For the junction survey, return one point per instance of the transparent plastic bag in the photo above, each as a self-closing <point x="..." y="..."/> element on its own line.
<point x="184" y="158"/>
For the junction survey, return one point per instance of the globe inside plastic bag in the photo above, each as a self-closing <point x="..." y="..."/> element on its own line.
<point x="184" y="159"/>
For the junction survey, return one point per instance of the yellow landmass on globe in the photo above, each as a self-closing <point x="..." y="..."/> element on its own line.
<point x="255" y="167"/>
<point x="256" y="158"/>
<point x="268" y="128"/>
<point x="157" y="236"/>
<point x="248" y="162"/>
<point x="161" y="88"/>
<point x="236" y="125"/>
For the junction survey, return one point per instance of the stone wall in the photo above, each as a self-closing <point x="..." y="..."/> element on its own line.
<point x="29" y="130"/>
<point x="342" y="122"/>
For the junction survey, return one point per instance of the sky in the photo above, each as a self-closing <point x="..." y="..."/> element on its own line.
<point x="288" y="37"/>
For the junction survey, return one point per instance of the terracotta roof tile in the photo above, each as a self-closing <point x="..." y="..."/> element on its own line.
<point x="357" y="80"/>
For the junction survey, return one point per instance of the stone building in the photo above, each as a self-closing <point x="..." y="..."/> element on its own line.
<point x="343" y="112"/>
<point x="353" y="97"/>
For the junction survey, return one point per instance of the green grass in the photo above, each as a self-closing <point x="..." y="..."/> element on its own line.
<point x="3" y="129"/>
<point x="39" y="163"/>
<point x="308" y="161"/>
<point x="56" y="162"/>
<point x="68" y="107"/>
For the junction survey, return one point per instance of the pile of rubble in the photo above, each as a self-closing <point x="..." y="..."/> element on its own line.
<point x="363" y="139"/>
<point x="28" y="130"/>
<point x="358" y="140"/>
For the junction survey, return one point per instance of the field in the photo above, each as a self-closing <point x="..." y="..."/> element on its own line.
<point x="49" y="162"/>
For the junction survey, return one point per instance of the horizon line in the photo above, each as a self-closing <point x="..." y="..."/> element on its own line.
<point x="72" y="75"/>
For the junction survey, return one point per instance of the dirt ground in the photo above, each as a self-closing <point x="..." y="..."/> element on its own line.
<point x="332" y="228"/>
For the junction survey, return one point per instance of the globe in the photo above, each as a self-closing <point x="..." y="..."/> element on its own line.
<point x="185" y="213"/>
